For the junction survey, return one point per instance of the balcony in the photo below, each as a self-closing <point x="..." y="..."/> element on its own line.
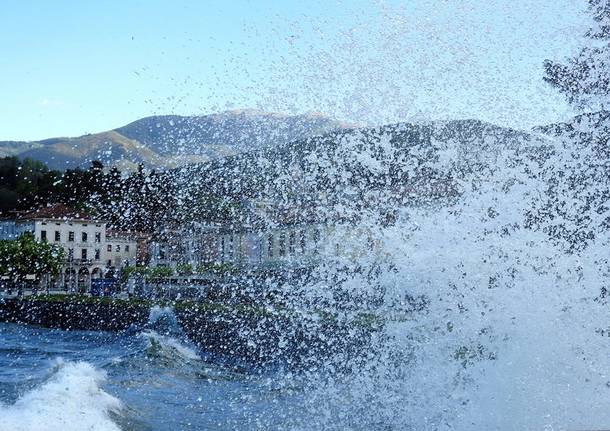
<point x="83" y="262"/>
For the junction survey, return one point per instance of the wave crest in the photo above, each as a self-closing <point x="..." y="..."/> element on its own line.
<point x="71" y="399"/>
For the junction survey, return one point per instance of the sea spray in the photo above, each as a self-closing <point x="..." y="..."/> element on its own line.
<point x="494" y="314"/>
<point x="162" y="319"/>
<point x="71" y="399"/>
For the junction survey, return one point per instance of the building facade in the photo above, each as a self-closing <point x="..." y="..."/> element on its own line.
<point x="91" y="250"/>
<point x="121" y="249"/>
<point x="194" y="245"/>
<point x="281" y="246"/>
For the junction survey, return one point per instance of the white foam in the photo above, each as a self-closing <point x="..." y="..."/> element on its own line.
<point x="168" y="346"/>
<point x="71" y="399"/>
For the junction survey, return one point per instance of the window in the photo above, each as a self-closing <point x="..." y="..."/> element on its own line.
<point x="303" y="241"/>
<point x="118" y="247"/>
<point x="97" y="254"/>
<point x="282" y="244"/>
<point x="261" y="247"/>
<point x="291" y="242"/>
<point x="71" y="236"/>
<point x="316" y="240"/>
<point x="270" y="246"/>
<point x="109" y="263"/>
<point x="57" y="236"/>
<point x="43" y="235"/>
<point x="84" y="237"/>
<point x="222" y="249"/>
<point x="109" y="247"/>
<point x="127" y="248"/>
<point x="98" y="237"/>
<point x="83" y="254"/>
<point x="70" y="253"/>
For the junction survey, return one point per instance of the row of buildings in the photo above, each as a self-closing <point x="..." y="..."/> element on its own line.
<point x="268" y="239"/>
<point x="91" y="249"/>
<point x="241" y="248"/>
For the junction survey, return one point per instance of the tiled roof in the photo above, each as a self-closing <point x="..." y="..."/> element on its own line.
<point x="56" y="212"/>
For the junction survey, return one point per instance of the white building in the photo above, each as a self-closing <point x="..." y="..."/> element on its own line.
<point x="296" y="245"/>
<point x="91" y="252"/>
<point x="194" y="245"/>
<point x="121" y="249"/>
<point x="271" y="237"/>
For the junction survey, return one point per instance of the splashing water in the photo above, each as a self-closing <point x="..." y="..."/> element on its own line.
<point x="71" y="399"/>
<point x="461" y="282"/>
<point x="168" y="348"/>
<point x="473" y="258"/>
<point x="165" y="339"/>
<point x="163" y="319"/>
<point x="490" y="321"/>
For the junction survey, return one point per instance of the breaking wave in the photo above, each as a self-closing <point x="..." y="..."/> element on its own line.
<point x="168" y="349"/>
<point x="163" y="336"/>
<point x="70" y="399"/>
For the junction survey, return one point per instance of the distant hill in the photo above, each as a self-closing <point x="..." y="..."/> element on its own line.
<point x="172" y="140"/>
<point x="424" y="158"/>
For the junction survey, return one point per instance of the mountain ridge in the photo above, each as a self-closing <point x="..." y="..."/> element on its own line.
<point x="167" y="141"/>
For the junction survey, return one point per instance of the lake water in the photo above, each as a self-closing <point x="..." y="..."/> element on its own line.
<point x="139" y="380"/>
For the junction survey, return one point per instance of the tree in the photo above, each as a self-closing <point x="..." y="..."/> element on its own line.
<point x="157" y="272"/>
<point x="25" y="256"/>
<point x="129" y="271"/>
<point x="184" y="269"/>
<point x="25" y="184"/>
<point x="585" y="78"/>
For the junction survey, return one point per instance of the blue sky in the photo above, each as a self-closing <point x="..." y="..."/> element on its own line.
<point x="71" y="67"/>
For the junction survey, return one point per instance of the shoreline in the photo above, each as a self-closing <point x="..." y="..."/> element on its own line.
<point x="250" y="333"/>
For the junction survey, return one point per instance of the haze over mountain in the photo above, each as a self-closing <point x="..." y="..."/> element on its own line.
<point x="172" y="140"/>
<point x="416" y="159"/>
